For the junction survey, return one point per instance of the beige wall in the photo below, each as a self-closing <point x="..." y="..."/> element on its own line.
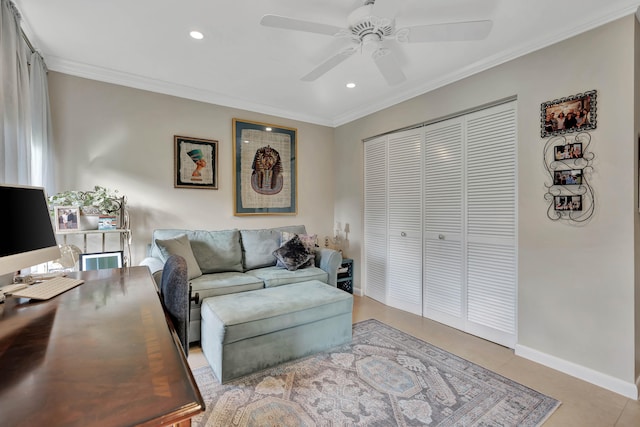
<point x="122" y="138"/>
<point x="575" y="283"/>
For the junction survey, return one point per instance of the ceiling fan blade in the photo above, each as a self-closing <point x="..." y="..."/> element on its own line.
<point x="299" y="25"/>
<point x="386" y="8"/>
<point x="388" y="65"/>
<point x="329" y="64"/>
<point x="454" y="31"/>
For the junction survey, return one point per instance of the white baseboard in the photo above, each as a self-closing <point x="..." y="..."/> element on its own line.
<point x="616" y="385"/>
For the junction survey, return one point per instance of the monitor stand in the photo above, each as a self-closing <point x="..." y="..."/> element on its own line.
<point x="6" y="279"/>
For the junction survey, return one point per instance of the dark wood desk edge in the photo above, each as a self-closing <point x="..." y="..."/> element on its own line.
<point x="18" y="315"/>
<point x="181" y="417"/>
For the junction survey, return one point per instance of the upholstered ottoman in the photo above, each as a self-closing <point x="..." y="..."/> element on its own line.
<point x="248" y="331"/>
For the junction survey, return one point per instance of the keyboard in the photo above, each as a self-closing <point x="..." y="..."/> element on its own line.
<point x="48" y="288"/>
<point x="10" y="289"/>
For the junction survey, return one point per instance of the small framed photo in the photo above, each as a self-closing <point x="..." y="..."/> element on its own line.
<point x="568" y="151"/>
<point x="101" y="260"/>
<point x="107" y="222"/>
<point x="196" y="163"/>
<point x="568" y="203"/>
<point x="569" y="114"/>
<point x="568" y="177"/>
<point x="66" y="218"/>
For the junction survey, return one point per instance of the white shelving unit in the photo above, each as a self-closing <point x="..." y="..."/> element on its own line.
<point x="125" y="239"/>
<point x="100" y="239"/>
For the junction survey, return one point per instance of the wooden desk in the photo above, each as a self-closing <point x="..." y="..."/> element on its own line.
<point x="100" y="354"/>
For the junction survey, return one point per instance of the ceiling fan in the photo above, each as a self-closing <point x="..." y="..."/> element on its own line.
<point x="369" y="29"/>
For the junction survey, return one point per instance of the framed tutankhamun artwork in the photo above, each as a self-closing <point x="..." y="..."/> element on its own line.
<point x="264" y="165"/>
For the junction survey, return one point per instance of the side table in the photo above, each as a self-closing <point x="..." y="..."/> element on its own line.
<point x="345" y="275"/>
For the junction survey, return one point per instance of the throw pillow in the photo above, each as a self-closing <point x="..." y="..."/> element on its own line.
<point x="180" y="245"/>
<point x="292" y="254"/>
<point x="308" y="240"/>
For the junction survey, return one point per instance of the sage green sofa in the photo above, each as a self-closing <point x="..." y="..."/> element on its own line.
<point x="231" y="261"/>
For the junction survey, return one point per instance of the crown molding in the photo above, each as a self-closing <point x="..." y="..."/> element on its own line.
<point x="182" y="91"/>
<point x="485" y="64"/>
<point x="144" y="83"/>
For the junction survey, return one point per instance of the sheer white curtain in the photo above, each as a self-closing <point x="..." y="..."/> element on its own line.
<point x="25" y="125"/>
<point x="41" y="129"/>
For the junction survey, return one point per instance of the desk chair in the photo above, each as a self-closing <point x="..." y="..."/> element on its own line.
<point x="174" y="293"/>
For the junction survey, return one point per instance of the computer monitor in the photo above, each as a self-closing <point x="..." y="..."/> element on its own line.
<point x="26" y="231"/>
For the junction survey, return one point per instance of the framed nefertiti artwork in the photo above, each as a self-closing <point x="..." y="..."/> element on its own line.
<point x="264" y="165"/>
<point x="196" y="163"/>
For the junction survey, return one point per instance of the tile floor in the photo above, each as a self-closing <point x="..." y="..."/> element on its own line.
<point x="583" y="404"/>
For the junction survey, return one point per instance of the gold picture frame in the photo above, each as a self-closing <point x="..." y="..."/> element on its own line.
<point x="265" y="169"/>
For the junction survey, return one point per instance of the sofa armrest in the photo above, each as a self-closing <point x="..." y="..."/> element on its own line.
<point x="155" y="266"/>
<point x="329" y="261"/>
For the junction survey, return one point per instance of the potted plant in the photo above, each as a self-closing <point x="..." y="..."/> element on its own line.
<point x="92" y="204"/>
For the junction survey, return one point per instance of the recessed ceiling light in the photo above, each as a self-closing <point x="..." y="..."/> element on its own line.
<point x="267" y="129"/>
<point x="196" y="35"/>
<point x="351" y="85"/>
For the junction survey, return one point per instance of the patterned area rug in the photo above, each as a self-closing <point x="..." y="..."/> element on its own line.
<point x="383" y="378"/>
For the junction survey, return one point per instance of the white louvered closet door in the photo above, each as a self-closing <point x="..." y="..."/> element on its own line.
<point x="492" y="224"/>
<point x="440" y="222"/>
<point x="375" y="219"/>
<point x="404" y="276"/>
<point x="443" y="223"/>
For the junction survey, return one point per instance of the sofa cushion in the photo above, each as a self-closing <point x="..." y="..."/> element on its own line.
<point x="293" y="254"/>
<point x="258" y="247"/>
<point x="164" y="234"/>
<point x="214" y="284"/>
<point x="295" y="229"/>
<point x="308" y="240"/>
<point x="276" y="276"/>
<point x="217" y="251"/>
<point x="180" y="246"/>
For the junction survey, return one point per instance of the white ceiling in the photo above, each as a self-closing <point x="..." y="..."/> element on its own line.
<point x="145" y="44"/>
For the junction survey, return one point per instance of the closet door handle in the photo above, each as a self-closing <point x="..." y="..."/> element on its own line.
<point x="403" y="234"/>
<point x="441" y="236"/>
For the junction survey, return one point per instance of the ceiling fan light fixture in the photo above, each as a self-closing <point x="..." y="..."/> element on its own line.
<point x="372" y="25"/>
<point x="370" y="43"/>
<point x="362" y="13"/>
<point x="379" y="53"/>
